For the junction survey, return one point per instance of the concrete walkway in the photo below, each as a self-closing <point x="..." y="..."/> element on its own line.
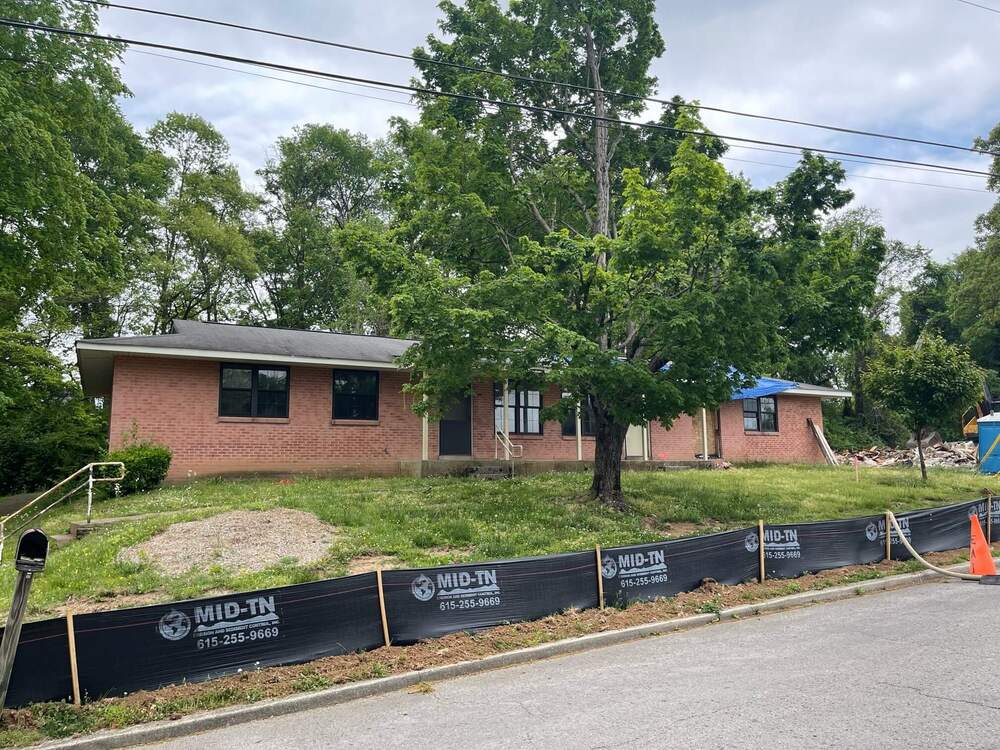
<point x="914" y="668"/>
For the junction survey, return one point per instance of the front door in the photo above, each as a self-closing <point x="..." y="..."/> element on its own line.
<point x="455" y="438"/>
<point x="634" y="439"/>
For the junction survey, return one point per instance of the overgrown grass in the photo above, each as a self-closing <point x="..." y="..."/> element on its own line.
<point x="419" y="522"/>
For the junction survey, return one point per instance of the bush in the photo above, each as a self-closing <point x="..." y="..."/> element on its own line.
<point x="146" y="465"/>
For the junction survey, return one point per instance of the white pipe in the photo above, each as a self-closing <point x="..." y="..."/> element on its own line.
<point x="579" y="435"/>
<point x="918" y="558"/>
<point x="704" y="433"/>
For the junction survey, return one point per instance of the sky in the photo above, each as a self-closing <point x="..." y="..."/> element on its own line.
<point x="928" y="69"/>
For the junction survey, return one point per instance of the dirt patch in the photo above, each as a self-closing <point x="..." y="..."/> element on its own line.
<point x="368" y="563"/>
<point x="238" y="540"/>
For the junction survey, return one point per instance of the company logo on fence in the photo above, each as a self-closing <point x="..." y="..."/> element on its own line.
<point x="174" y="625"/>
<point x="871" y="531"/>
<point x="456" y="584"/>
<point x="422" y="588"/>
<point x="751" y="541"/>
<point x="782" y="544"/>
<point x="995" y="510"/>
<point x="224" y="623"/>
<point x="904" y="524"/>
<point x="636" y="568"/>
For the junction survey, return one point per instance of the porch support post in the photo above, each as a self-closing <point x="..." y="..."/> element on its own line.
<point x="645" y="442"/>
<point x="505" y="421"/>
<point x="579" y="435"/>
<point x="425" y="438"/>
<point x="704" y="433"/>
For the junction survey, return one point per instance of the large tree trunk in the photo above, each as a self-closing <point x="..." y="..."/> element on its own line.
<point x="609" y="441"/>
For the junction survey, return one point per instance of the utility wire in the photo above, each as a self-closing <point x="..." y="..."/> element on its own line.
<point x="944" y="170"/>
<point x="977" y="5"/>
<point x="276" y="78"/>
<point x="862" y="176"/>
<point x="531" y="79"/>
<point x="462" y="97"/>
<point x="727" y="158"/>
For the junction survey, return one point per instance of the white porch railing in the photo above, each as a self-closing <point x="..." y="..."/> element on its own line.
<point x="87" y="482"/>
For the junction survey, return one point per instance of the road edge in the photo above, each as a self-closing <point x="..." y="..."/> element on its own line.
<point x="166" y="730"/>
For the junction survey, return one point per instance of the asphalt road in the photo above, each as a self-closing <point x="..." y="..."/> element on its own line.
<point x="915" y="668"/>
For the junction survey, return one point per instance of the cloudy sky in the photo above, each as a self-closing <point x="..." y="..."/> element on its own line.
<point x="923" y="68"/>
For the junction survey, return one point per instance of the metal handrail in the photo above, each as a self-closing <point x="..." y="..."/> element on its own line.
<point x="89" y="483"/>
<point x="503" y="439"/>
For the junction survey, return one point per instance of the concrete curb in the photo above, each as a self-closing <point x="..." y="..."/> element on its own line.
<point x="166" y="730"/>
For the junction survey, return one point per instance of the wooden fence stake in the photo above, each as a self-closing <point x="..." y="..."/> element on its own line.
<point x="600" y="575"/>
<point x="74" y="674"/>
<point x="381" y="606"/>
<point x="760" y="549"/>
<point x="888" y="537"/>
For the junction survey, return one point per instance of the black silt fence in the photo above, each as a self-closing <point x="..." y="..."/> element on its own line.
<point x="431" y="602"/>
<point x="937" y="529"/>
<point x="41" y="667"/>
<point x="649" y="571"/>
<point x="792" y="550"/>
<point x="149" y="647"/>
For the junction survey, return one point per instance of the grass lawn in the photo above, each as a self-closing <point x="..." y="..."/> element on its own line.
<point x="421" y="522"/>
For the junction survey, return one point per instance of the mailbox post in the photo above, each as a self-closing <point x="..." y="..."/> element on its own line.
<point x="32" y="549"/>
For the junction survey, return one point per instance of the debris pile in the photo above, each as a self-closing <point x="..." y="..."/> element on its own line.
<point x="958" y="454"/>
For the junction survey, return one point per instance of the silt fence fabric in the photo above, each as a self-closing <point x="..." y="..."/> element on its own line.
<point x="648" y="571"/>
<point x="937" y="529"/>
<point x="792" y="550"/>
<point x="431" y="602"/>
<point x="41" y="665"/>
<point x="148" y="647"/>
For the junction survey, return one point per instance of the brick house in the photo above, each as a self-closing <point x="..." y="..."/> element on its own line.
<point x="238" y="399"/>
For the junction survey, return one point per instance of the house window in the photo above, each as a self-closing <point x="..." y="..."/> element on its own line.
<point x="587" y="428"/>
<point x="355" y="394"/>
<point x="760" y="414"/>
<point x="524" y="408"/>
<point x="253" y="391"/>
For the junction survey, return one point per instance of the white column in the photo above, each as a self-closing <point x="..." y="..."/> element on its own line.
<point x="704" y="433"/>
<point x="424" y="438"/>
<point x="645" y="442"/>
<point x="505" y="422"/>
<point x="579" y="435"/>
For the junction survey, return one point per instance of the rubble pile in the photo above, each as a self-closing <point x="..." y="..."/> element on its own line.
<point x="958" y="454"/>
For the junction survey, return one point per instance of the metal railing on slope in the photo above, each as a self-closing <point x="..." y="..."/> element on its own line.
<point x="510" y="450"/>
<point x="89" y="482"/>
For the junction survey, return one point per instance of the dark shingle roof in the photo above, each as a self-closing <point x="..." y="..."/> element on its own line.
<point x="286" y="342"/>
<point x="192" y="338"/>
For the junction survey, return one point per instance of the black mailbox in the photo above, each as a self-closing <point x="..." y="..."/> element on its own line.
<point x="32" y="549"/>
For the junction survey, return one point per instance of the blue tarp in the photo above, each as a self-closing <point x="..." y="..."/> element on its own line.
<point x="765" y="387"/>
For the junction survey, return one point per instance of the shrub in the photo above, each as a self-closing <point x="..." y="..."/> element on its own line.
<point x="146" y="465"/>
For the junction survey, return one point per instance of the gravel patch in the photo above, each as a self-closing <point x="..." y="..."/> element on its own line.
<point x="240" y="540"/>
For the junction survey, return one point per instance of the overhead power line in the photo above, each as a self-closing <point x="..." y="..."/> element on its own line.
<point x="862" y="176"/>
<point x="12" y="23"/>
<point x="729" y="158"/>
<point x="977" y="5"/>
<point x="532" y="79"/>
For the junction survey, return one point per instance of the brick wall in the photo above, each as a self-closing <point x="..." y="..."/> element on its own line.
<point x="549" y="446"/>
<point x="792" y="443"/>
<point x="176" y="402"/>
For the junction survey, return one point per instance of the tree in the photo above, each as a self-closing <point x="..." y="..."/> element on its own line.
<point x="200" y="252"/>
<point x="47" y="428"/>
<point x="924" y="307"/>
<point x="826" y="275"/>
<point x="670" y="314"/>
<point x="926" y="384"/>
<point x="321" y="181"/>
<point x="70" y="192"/>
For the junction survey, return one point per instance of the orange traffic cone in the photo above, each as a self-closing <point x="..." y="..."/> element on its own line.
<point x="980" y="557"/>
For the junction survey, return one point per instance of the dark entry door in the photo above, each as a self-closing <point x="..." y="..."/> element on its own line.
<point x="456" y="429"/>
